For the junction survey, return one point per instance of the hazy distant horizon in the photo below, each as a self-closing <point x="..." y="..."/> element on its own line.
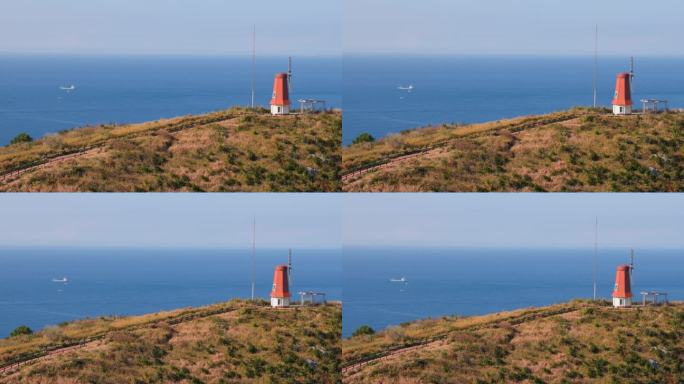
<point x="514" y="220"/>
<point x="509" y="55"/>
<point x="169" y="220"/>
<point x="170" y="55"/>
<point x="248" y="249"/>
<point x="513" y="247"/>
<point x="337" y="55"/>
<point x="286" y="247"/>
<point x="170" y="27"/>
<point x="626" y="27"/>
<point x="340" y="56"/>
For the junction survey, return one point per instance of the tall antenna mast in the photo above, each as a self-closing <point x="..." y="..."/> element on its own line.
<point x="289" y="266"/>
<point x="631" y="266"/>
<point x="289" y="74"/>
<point x="595" y="62"/>
<point x="253" y="256"/>
<point x="595" y="254"/>
<point x="631" y="74"/>
<point x="253" y="62"/>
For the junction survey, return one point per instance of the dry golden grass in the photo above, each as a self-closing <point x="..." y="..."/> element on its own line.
<point x="71" y="332"/>
<point x="360" y="155"/>
<point x="592" y="344"/>
<point x="357" y="348"/>
<point x="233" y="150"/>
<point x="590" y="152"/>
<point x="251" y="344"/>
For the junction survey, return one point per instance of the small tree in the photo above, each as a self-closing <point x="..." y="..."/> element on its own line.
<point x="364" y="330"/>
<point x="364" y="138"/>
<point x="22" y="138"/>
<point x="21" y="330"/>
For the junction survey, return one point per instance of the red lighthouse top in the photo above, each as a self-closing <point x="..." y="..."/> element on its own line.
<point x="281" y="95"/>
<point x="623" y="286"/>
<point x="281" y="288"/>
<point x="623" y="93"/>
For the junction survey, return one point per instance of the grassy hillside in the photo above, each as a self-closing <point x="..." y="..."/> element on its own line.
<point x="576" y="150"/>
<point x="234" y="342"/>
<point x="233" y="150"/>
<point x="578" y="342"/>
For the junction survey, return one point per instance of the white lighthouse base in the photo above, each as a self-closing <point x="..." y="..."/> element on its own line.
<point x="619" y="302"/>
<point x="280" y="302"/>
<point x="622" y="109"/>
<point x="280" y="109"/>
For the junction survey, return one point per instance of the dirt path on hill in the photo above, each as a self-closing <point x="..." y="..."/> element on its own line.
<point x="437" y="341"/>
<point x="173" y="129"/>
<point x="98" y="340"/>
<point x="9" y="369"/>
<point x="9" y="176"/>
<point x="352" y="176"/>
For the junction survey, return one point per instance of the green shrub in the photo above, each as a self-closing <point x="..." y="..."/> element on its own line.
<point x="21" y="138"/>
<point x="364" y="330"/>
<point x="21" y="330"/>
<point x="678" y="320"/>
<point x="597" y="368"/>
<point x="364" y="138"/>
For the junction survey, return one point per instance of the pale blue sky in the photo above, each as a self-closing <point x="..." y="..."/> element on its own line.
<point x="171" y="220"/>
<point x="295" y="27"/>
<point x="514" y="220"/>
<point x="540" y="27"/>
<point x="325" y="220"/>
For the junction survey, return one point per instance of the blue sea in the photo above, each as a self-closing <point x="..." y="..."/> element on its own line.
<point x="480" y="281"/>
<point x="471" y="89"/>
<point x="126" y="89"/>
<point x="123" y="281"/>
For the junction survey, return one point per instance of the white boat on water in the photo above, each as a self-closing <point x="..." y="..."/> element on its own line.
<point x="399" y="280"/>
<point x="407" y="88"/>
<point x="69" y="88"/>
<point x="62" y="280"/>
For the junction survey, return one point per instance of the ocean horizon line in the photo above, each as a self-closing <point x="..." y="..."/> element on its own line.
<point x="246" y="56"/>
<point x="165" y="248"/>
<point x="513" y="248"/>
<point x="589" y="55"/>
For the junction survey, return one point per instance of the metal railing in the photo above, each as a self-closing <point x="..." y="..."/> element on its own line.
<point x="70" y="345"/>
<point x="417" y="151"/>
<point x="416" y="343"/>
<point x="186" y="123"/>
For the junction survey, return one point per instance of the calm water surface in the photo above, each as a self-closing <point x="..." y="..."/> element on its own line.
<point x="137" y="281"/>
<point x="479" y="281"/>
<point x="475" y="89"/>
<point x="125" y="89"/>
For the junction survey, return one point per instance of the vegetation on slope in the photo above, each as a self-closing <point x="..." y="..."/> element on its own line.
<point x="234" y="342"/>
<point x="577" y="342"/>
<point x="233" y="150"/>
<point x="577" y="150"/>
<point x="21" y="138"/>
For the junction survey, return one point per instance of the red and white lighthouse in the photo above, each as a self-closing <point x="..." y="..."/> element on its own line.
<point x="622" y="293"/>
<point x="622" y="101"/>
<point x="280" y="294"/>
<point x="280" y="102"/>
